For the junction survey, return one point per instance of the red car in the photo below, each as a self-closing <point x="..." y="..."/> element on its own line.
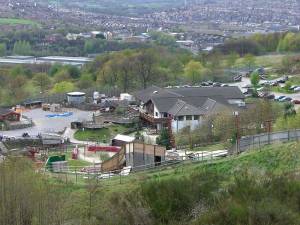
<point x="295" y="101"/>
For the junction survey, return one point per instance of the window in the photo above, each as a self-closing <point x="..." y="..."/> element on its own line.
<point x="196" y="117"/>
<point x="165" y="115"/>
<point x="156" y="113"/>
<point x="180" y="118"/>
<point x="189" y="117"/>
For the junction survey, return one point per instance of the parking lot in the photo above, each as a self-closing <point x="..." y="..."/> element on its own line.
<point x="44" y="124"/>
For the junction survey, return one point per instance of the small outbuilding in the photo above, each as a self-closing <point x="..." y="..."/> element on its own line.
<point x="9" y="115"/>
<point x="76" y="98"/>
<point x="121" y="140"/>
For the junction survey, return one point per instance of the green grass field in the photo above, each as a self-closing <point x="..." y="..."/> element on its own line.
<point x="15" y="21"/>
<point x="100" y="135"/>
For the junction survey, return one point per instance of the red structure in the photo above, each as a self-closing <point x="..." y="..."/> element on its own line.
<point x="9" y="115"/>
<point x="103" y="148"/>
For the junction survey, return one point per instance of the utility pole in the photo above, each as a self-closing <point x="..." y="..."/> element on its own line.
<point x="237" y="127"/>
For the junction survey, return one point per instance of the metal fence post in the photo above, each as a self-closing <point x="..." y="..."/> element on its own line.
<point x="76" y="175"/>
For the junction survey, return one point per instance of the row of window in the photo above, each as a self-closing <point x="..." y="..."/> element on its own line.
<point x="180" y="118"/>
<point x="189" y="118"/>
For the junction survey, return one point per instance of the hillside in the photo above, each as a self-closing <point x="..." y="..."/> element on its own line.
<point x="235" y="189"/>
<point x="258" y="187"/>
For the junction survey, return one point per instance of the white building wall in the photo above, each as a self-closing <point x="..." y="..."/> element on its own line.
<point x="157" y="114"/>
<point x="178" y="125"/>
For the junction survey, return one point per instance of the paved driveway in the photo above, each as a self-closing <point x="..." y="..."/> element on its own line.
<point x="44" y="124"/>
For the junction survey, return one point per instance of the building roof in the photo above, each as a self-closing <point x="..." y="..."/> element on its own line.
<point x="181" y="108"/>
<point x="76" y="94"/>
<point x="5" y="111"/>
<point x="124" y="138"/>
<point x="189" y="100"/>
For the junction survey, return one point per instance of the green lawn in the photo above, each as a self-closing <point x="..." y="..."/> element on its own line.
<point x="71" y="162"/>
<point x="214" y="147"/>
<point x="15" y="21"/>
<point x="100" y="135"/>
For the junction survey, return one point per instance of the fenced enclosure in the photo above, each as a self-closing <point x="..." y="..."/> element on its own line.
<point x="260" y="140"/>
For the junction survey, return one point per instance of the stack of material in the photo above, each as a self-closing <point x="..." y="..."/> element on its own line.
<point x="60" y="166"/>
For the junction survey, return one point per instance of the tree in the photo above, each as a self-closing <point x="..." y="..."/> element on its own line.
<point x="3" y="49"/>
<point x="249" y="61"/>
<point x="255" y="79"/>
<point x="164" y="139"/>
<point x="85" y="81"/>
<point x="63" y="87"/>
<point x="231" y="59"/>
<point x="289" y="110"/>
<point x="194" y="71"/>
<point x="42" y="81"/>
<point x="125" y="67"/>
<point x="145" y="62"/>
<point x="62" y="75"/>
<point x="22" y="48"/>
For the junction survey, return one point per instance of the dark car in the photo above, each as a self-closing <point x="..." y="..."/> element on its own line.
<point x="270" y="96"/>
<point x="296" y="101"/>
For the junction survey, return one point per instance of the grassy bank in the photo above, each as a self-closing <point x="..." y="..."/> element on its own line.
<point x="100" y="135"/>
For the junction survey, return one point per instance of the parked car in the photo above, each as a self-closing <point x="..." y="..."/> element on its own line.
<point x="296" y="101"/>
<point x="279" y="97"/>
<point x="224" y="85"/>
<point x="293" y="87"/>
<point x="297" y="89"/>
<point x="216" y="84"/>
<point x="285" y="99"/>
<point x="270" y="96"/>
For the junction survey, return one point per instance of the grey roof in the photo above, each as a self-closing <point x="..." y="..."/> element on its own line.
<point x="191" y="100"/>
<point x="181" y="108"/>
<point x="4" y="111"/>
<point x="231" y="92"/>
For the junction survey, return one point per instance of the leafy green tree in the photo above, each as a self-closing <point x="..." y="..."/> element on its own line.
<point x="194" y="71"/>
<point x="62" y="75"/>
<point x="255" y="78"/>
<point x="289" y="110"/>
<point x="22" y="48"/>
<point x="54" y="69"/>
<point x="231" y="59"/>
<point x="74" y="72"/>
<point x="85" y="81"/>
<point x="63" y="87"/>
<point x="164" y="139"/>
<point x="42" y="81"/>
<point x="145" y="65"/>
<point x="3" y="49"/>
<point x="249" y="61"/>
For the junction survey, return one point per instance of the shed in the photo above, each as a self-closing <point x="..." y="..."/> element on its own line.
<point x="9" y="115"/>
<point x="121" y="140"/>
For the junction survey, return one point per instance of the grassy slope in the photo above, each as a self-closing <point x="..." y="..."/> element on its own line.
<point x="163" y="188"/>
<point x="100" y="134"/>
<point x="279" y="158"/>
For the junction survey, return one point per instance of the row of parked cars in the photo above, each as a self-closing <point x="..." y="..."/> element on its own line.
<point x="275" y="82"/>
<point x="281" y="98"/>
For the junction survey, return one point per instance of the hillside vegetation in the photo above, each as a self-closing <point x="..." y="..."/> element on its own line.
<point x="258" y="187"/>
